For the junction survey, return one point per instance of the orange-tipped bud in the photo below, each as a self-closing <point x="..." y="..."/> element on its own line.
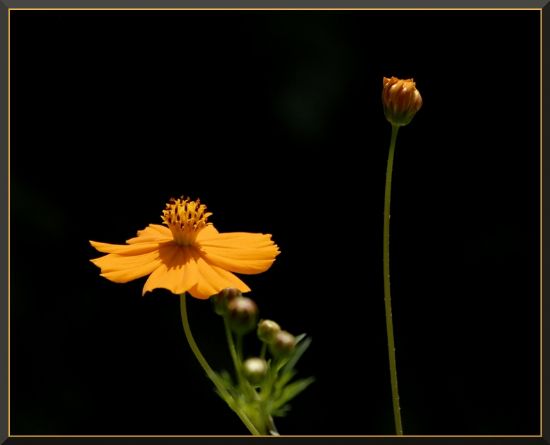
<point x="242" y="314"/>
<point x="223" y="298"/>
<point x="283" y="344"/>
<point x="401" y="100"/>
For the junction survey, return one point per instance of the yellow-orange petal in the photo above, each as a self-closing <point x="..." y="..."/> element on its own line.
<point x="247" y="267"/>
<point x="154" y="280"/>
<point x="125" y="275"/>
<point x="241" y="252"/>
<point x="152" y="233"/>
<point x="244" y="253"/>
<point x="125" y="249"/>
<point x="113" y="262"/>
<point x="213" y="279"/>
<point x="204" y="288"/>
<point x="230" y="278"/>
<point x="177" y="273"/>
<point x="207" y="231"/>
<point x="234" y="238"/>
<point x="201" y="292"/>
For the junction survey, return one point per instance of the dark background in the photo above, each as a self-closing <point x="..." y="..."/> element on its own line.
<point x="274" y="120"/>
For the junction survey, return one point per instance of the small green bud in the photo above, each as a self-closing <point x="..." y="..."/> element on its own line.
<point x="283" y="344"/>
<point x="267" y="330"/>
<point x="242" y="314"/>
<point x="222" y="299"/>
<point x="255" y="369"/>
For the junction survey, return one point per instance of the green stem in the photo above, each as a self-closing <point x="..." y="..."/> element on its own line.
<point x="236" y="350"/>
<point x="209" y="371"/>
<point x="240" y="347"/>
<point x="387" y="296"/>
<point x="271" y="427"/>
<point x="233" y="351"/>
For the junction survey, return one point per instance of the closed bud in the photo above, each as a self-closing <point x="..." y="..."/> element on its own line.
<point x="242" y="314"/>
<point x="267" y="330"/>
<point x="255" y="369"/>
<point x="283" y="344"/>
<point x="401" y="100"/>
<point x="222" y="299"/>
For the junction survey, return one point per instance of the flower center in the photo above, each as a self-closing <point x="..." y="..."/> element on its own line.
<point x="185" y="219"/>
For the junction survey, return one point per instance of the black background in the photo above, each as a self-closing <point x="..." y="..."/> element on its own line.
<point x="273" y="119"/>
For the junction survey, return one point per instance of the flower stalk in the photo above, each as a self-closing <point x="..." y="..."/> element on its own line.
<point x="401" y="101"/>
<point x="210" y="372"/>
<point x="387" y="294"/>
<point x="262" y="388"/>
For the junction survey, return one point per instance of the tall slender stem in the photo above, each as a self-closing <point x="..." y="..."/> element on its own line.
<point x="209" y="371"/>
<point x="387" y="296"/>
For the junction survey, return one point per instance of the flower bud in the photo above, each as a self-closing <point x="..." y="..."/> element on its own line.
<point x="222" y="299"/>
<point x="267" y="330"/>
<point x="255" y="369"/>
<point x="401" y="100"/>
<point x="283" y="344"/>
<point x="242" y="314"/>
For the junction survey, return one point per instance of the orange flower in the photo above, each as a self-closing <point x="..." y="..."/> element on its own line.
<point x="188" y="255"/>
<point x="401" y="100"/>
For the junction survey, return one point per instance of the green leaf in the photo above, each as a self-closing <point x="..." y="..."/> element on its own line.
<point x="300" y="337"/>
<point x="284" y="378"/>
<point x="291" y="391"/>
<point x="298" y="352"/>
<point x="281" y="412"/>
<point x="226" y="378"/>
